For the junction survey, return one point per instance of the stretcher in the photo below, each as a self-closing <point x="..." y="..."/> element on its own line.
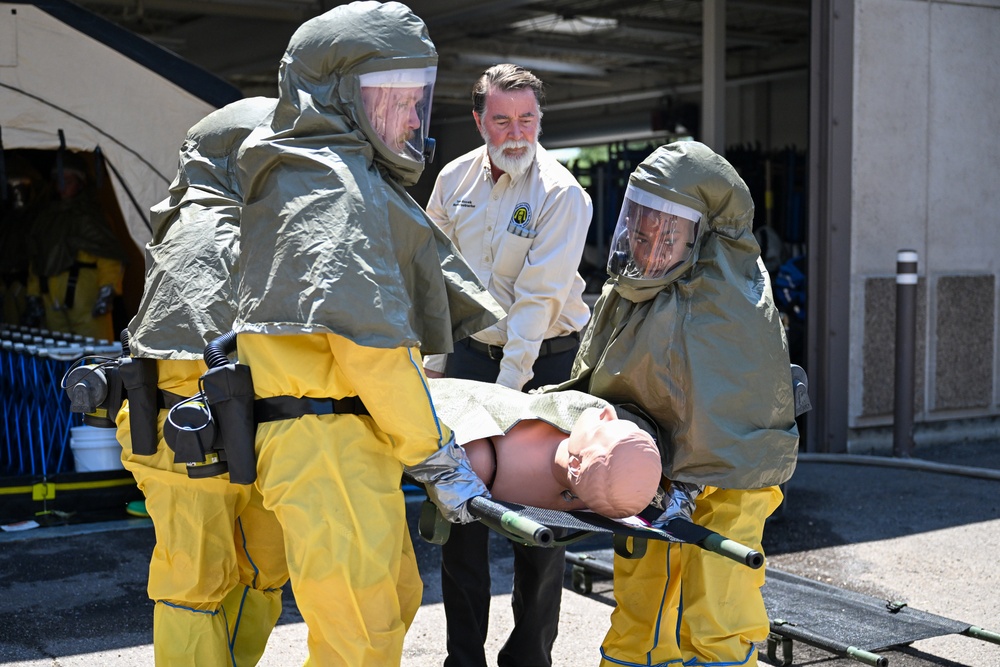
<point x="550" y="528"/>
<point x="546" y="528"/>
<point x="847" y="624"/>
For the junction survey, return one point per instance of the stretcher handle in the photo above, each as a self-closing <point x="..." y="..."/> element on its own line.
<point x="984" y="634"/>
<point x="517" y="525"/>
<point x="807" y="636"/>
<point x="726" y="547"/>
<point x="685" y="531"/>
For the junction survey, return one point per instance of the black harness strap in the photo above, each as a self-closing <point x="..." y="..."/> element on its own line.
<point x="74" y="277"/>
<point x="278" y="408"/>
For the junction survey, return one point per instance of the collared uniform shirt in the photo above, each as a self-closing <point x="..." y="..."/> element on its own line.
<point x="524" y="238"/>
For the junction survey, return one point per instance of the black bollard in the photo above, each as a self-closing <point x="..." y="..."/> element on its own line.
<point x="906" y="324"/>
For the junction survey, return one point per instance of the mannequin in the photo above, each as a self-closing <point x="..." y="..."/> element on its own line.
<point x="562" y="451"/>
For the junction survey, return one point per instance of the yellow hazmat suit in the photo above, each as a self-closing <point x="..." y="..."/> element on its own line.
<point x="343" y="281"/>
<point x="218" y="564"/>
<point x="686" y="333"/>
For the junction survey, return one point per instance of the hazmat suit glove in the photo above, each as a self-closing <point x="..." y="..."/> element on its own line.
<point x="679" y="503"/>
<point x="34" y="312"/>
<point x="450" y="481"/>
<point x="105" y="298"/>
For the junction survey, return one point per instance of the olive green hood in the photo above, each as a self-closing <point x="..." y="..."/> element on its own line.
<point x="64" y="227"/>
<point x="319" y="76"/>
<point x="190" y="289"/>
<point x="331" y="239"/>
<point x="701" y="352"/>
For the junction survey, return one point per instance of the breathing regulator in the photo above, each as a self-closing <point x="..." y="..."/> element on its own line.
<point x="211" y="433"/>
<point x="95" y="389"/>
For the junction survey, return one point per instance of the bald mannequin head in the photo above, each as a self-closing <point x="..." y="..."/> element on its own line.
<point x="605" y="464"/>
<point x="610" y="464"/>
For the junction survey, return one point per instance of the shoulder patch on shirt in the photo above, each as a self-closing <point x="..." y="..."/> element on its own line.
<point x="520" y="219"/>
<point x="463" y="203"/>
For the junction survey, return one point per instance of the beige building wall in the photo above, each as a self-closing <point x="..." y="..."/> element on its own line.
<point x="926" y="176"/>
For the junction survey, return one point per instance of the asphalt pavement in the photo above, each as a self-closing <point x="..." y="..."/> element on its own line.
<point x="74" y="595"/>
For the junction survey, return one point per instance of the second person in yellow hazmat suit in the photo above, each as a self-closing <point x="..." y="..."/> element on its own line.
<point x="218" y="563"/>
<point x="77" y="263"/>
<point x="686" y="333"/>
<point x="344" y="283"/>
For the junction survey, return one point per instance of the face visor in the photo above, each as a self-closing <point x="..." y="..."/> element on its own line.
<point x="397" y="105"/>
<point x="653" y="236"/>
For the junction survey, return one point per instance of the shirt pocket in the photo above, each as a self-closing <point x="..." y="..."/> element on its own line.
<point x="511" y="253"/>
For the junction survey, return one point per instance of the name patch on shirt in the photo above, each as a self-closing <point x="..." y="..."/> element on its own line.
<point x="519" y="221"/>
<point x="463" y="203"/>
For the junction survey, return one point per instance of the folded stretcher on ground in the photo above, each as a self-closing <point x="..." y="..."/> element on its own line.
<point x="846" y="623"/>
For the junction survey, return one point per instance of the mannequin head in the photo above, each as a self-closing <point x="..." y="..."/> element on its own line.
<point x="610" y="464"/>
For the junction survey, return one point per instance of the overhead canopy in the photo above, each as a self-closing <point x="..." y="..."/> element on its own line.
<point x="63" y="68"/>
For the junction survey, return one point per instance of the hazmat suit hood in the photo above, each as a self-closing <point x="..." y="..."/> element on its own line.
<point x="189" y="297"/>
<point x="332" y="241"/>
<point x="319" y="79"/>
<point x="700" y="350"/>
<point x="64" y="227"/>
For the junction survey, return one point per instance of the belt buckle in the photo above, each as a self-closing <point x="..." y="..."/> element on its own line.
<point x="494" y="356"/>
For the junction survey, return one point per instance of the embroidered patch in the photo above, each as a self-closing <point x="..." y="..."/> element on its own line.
<point x="519" y="221"/>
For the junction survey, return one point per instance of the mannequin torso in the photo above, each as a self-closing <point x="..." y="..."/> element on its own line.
<point x="520" y="466"/>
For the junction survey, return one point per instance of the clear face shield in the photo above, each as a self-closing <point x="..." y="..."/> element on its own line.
<point x="397" y="104"/>
<point x="653" y="236"/>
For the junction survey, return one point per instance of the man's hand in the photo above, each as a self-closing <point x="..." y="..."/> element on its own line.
<point x="450" y="482"/>
<point x="433" y="374"/>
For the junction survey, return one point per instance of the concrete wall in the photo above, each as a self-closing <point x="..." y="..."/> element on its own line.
<point x="926" y="176"/>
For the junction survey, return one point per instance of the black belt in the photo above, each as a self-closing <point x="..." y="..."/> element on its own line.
<point x="166" y="400"/>
<point x="278" y="408"/>
<point x="548" y="346"/>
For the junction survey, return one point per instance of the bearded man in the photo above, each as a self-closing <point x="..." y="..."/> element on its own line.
<point x="520" y="219"/>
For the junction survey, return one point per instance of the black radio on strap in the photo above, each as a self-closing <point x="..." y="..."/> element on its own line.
<point x="278" y="408"/>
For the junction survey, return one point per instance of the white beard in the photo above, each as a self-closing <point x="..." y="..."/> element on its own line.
<point x="515" y="166"/>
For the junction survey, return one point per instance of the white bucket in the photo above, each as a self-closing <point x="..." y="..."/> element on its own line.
<point x="95" y="449"/>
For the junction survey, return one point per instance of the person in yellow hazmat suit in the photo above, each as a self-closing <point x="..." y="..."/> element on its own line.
<point x="344" y="284"/>
<point x="218" y="564"/>
<point x="77" y="263"/>
<point x="686" y="334"/>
